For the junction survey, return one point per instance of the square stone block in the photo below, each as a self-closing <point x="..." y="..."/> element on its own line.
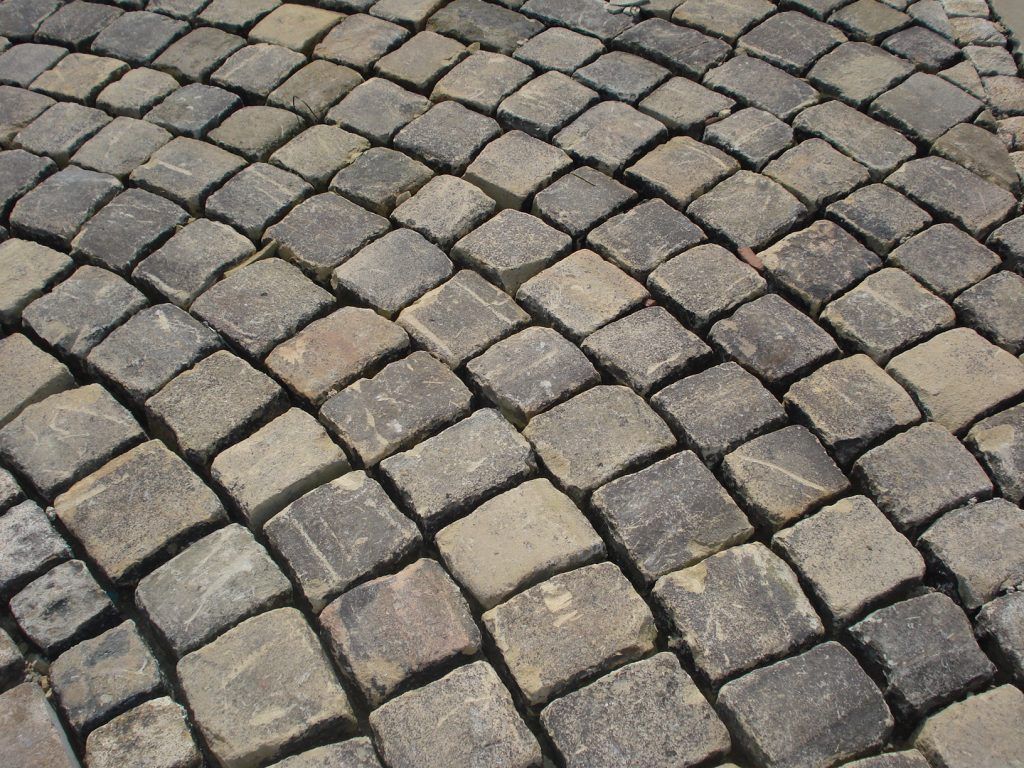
<point x="609" y="135"/>
<point x="121" y="146"/>
<point x="999" y="442"/>
<point x="359" y="40"/>
<point x="512" y="168"/>
<point x="421" y="61"/>
<point x="791" y="40"/>
<point x="320" y="152"/>
<point x="979" y="732"/>
<point x="27" y="375"/>
<point x="684" y="105"/>
<point x="137" y="92"/>
<point x="256" y="197"/>
<point x="194" y="110"/>
<point x="752" y="135"/>
<point x="377" y="109"/>
<point x="757" y="83"/>
<point x="186" y="171"/>
<point x="995" y="307"/>
<point x="156" y="727"/>
<point x="644" y="237"/>
<point x="138" y="36"/>
<point x="79" y="77"/>
<point x="880" y="216"/>
<point x="258" y="69"/>
<point x="857" y="72"/>
<point x="236" y="15"/>
<point x="23" y="63"/>
<point x="925" y="106"/>
<point x="381" y="179"/>
<point x="55" y="211"/>
<point x="30" y="733"/>
<point x="482" y="80"/>
<point x="298" y="27"/>
<point x="727" y="20"/>
<point x="999" y="625"/>
<point x="20" y="171"/>
<point x="817" y="173"/>
<point x="681" y="170"/>
<point x="622" y="76"/>
<point x="473" y="21"/>
<point x="195" y="56"/>
<point x="546" y="104"/>
<point x="29" y="545"/>
<point x="445" y="209"/>
<point x="559" y="49"/>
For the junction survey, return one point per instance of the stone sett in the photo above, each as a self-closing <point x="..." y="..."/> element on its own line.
<point x="444" y="210"/>
<point x="980" y="732"/>
<point x="999" y="623"/>
<point x="580" y="200"/>
<point x="945" y="259"/>
<point x="30" y="546"/>
<point x="999" y="443"/>
<point x="546" y="104"/>
<point x="752" y="135"/>
<point x="320" y="152"/>
<point x="27" y="376"/>
<point x="644" y="237"/>
<point x="380" y="179"/>
<point x="155" y="734"/>
<point x="30" y="732"/>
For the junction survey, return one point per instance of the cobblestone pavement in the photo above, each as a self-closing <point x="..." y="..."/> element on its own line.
<point x="468" y="384"/>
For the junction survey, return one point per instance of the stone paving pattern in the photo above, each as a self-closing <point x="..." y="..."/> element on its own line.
<point x="511" y="384"/>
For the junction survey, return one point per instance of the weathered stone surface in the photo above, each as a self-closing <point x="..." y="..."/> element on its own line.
<point x="757" y="83"/>
<point x="945" y="259"/>
<point x="10" y="493"/>
<point x="121" y="146"/>
<point x="875" y="146"/>
<point x="79" y="77"/>
<point x="20" y="171"/>
<point x="995" y="307"/>
<point x="195" y="56"/>
<point x="880" y="216"/>
<point x="214" y="584"/>
<point x="354" y="753"/>
<point x="236" y="15"/>
<point x="30" y="546"/>
<point x="359" y="40"/>
<point x="589" y="18"/>
<point x="981" y="152"/>
<point x="20" y="108"/>
<point x="1000" y="623"/>
<point x="649" y="712"/>
<point x="104" y="676"/>
<point x="791" y="40"/>
<point x="445" y="209"/>
<point x="925" y="106"/>
<point x="391" y="630"/>
<point x="681" y="170"/>
<point x="138" y="36"/>
<point x="580" y="200"/>
<point x="816" y="173"/>
<point x="999" y="441"/>
<point x="320" y="152"/>
<point x="537" y="631"/>
<point x="546" y="104"/>
<point x="622" y="76"/>
<point x="724" y="209"/>
<point x="513" y="167"/>
<point x="482" y="80"/>
<point x="27" y="375"/>
<point x="644" y="237"/>
<point x="752" y="135"/>
<point x="54" y="211"/>
<point x="737" y="610"/>
<point x="559" y="49"/>
<point x="154" y="734"/>
<point x="258" y="69"/>
<point x="682" y="104"/>
<point x="186" y="171"/>
<point x="377" y="109"/>
<point x="472" y="21"/>
<point x="255" y="132"/>
<point x="30" y="733"/>
<point x="12" y="664"/>
<point x="465" y="718"/>
<point x="609" y="135"/>
<point x="979" y="732"/>
<point x="460" y="467"/>
<point x="255" y="198"/>
<point x="421" y="61"/>
<point x="340" y="534"/>
<point x="850" y="718"/>
<point x="910" y="758"/>
<point x="380" y="179"/>
<point x="62" y="606"/>
<point x="136" y="92"/>
<point x="296" y="26"/>
<point x="194" y="110"/>
<point x="205" y="408"/>
<point x="242" y="691"/>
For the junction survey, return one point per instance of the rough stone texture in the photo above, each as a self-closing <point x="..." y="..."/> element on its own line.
<point x="377" y="109"/>
<point x="1000" y="622"/>
<point x="752" y="135"/>
<point x="255" y="198"/>
<point x="27" y="375"/>
<point x="725" y="210"/>
<point x="682" y="104"/>
<point x="648" y="712"/>
<point x="30" y="733"/>
<point x="217" y="582"/>
<point x="354" y="753"/>
<point x="925" y="106"/>
<point x="995" y="307"/>
<point x="54" y="211"/>
<point x="851" y="717"/>
<point x="515" y="166"/>
<point x="186" y="171"/>
<point x="737" y="610"/>
<point x="880" y="216"/>
<point x="875" y="146"/>
<point x="546" y="104"/>
<point x="30" y="546"/>
<point x="644" y="237"/>
<point x="999" y="442"/>
<point x="980" y="732"/>
<point x="445" y="209"/>
<point x="580" y="200"/>
<point x="320" y="152"/>
<point x="944" y="259"/>
<point x="609" y="135"/>
<point x="241" y="689"/>
<point x="537" y="634"/>
<point x="757" y="83"/>
<point x="194" y="110"/>
<point x="154" y="734"/>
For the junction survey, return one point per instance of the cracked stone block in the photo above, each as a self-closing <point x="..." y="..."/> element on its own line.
<point x="256" y="70"/>
<point x="670" y="516"/>
<point x="105" y="676"/>
<point x="190" y="262"/>
<point x="205" y="408"/>
<point x="27" y="375"/>
<point x="242" y="692"/>
<point x="546" y="104"/>
<point x="682" y="50"/>
<point x="155" y="734"/>
<point x="136" y="93"/>
<point x="380" y="179"/>
<point x="121" y="146"/>
<point x="465" y="718"/>
<point x="926" y="651"/>
<point x="581" y="199"/>
<point x="320" y="152"/>
<point x="752" y="135"/>
<point x="999" y="623"/>
<point x="472" y="21"/>
<point x="994" y="307"/>
<point x="979" y="732"/>
<point x="944" y="259"/>
<point x="62" y="607"/>
<point x="194" y="110"/>
<point x="925" y="106"/>
<point x="644" y="237"/>
<point x="461" y="318"/>
<point x="649" y="713"/>
<point x="724" y="209"/>
<point x="512" y="168"/>
<point x="323" y="231"/>
<point x="19" y="109"/>
<point x="30" y="546"/>
<point x="646" y="349"/>
<point x="445" y="209"/>
<point x="999" y="442"/>
<point x="459" y="467"/>
<point x="255" y="132"/>
<point x="717" y="410"/>
<point x="393" y="271"/>
<point x="737" y="610"/>
<point x="330" y="353"/>
<point x="20" y="172"/>
<point x="288" y="457"/>
<point x="221" y="580"/>
<point x="79" y="77"/>
<point x="537" y="633"/>
<point x="76" y="24"/>
<point x="186" y="171"/>
<point x="256" y="197"/>
<point x="775" y="341"/>
<point x="559" y="49"/>
<point x="339" y="535"/>
<point x="482" y="80"/>
<point x="299" y="27"/>
<point x="757" y="83"/>
<point x="516" y="540"/>
<point x="447" y="136"/>
<point x="421" y="61"/>
<point x="869" y="20"/>
<point x="875" y="146"/>
<point x="880" y="216"/>
<point x="816" y="173"/>
<point x="851" y="404"/>
<point x="979" y="547"/>
<point x="596" y="436"/>
<point x="850" y="717"/>
<point x="354" y="753"/>
<point x="236" y="15"/>
<point x="957" y="377"/>
<point x="23" y="63"/>
<point x="359" y="40"/>
<point x="851" y="557"/>
<point x="622" y="76"/>
<point x="683" y="105"/>
<point x="198" y="54"/>
<point x="581" y="293"/>
<point x="980" y="152"/>
<point x="530" y="371"/>
<point x="377" y="109"/>
<point x="681" y="170"/>
<point x="138" y="36"/>
<point x="589" y="18"/>
<point x="727" y="20"/>
<point x="396" y="629"/>
<point x="55" y="211"/>
<point x="609" y="135"/>
<point x="791" y="40"/>
<point x="857" y="72"/>
<point x="30" y="733"/>
<point x="127" y="229"/>
<point x="951" y="192"/>
<point x="69" y="434"/>
<point x="314" y="89"/>
<point x="261" y="305"/>
<point x="783" y="475"/>
<point x="511" y="248"/>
